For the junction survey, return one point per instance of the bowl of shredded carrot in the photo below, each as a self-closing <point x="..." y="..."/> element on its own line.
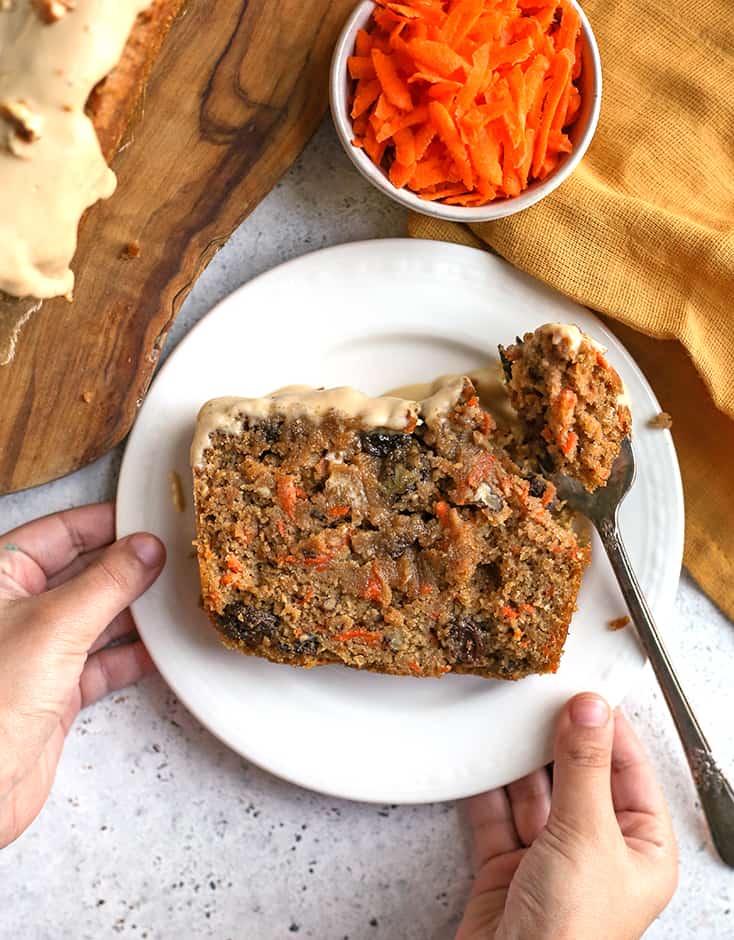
<point x="468" y="110"/>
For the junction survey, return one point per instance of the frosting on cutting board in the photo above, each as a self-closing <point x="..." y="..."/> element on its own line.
<point x="52" y="54"/>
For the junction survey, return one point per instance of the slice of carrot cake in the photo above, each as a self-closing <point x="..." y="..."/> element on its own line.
<point x="380" y="533"/>
<point x="571" y="402"/>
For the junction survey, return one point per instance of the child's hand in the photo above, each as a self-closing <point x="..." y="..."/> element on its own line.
<point x="64" y="590"/>
<point x="596" y="858"/>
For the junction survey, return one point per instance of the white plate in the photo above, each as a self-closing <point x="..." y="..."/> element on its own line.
<point x="378" y="315"/>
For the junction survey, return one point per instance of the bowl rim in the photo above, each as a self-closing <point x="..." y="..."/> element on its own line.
<point x="493" y="210"/>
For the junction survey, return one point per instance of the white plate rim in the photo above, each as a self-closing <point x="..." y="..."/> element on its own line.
<point x="445" y="254"/>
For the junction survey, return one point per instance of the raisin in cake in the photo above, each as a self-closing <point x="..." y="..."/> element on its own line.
<point x="380" y="533"/>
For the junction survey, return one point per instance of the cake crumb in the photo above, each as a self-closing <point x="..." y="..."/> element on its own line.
<point x="131" y="250"/>
<point x="87" y="396"/>
<point x="619" y="623"/>
<point x="662" y="421"/>
<point x="177" y="493"/>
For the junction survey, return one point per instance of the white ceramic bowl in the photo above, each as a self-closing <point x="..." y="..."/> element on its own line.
<point x="581" y="132"/>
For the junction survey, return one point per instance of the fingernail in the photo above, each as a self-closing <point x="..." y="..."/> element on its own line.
<point x="148" y="549"/>
<point x="589" y="711"/>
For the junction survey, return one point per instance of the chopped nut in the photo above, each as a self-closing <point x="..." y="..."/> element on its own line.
<point x="51" y="11"/>
<point x="131" y="250"/>
<point x="619" y="623"/>
<point x="25" y="126"/>
<point x="177" y="493"/>
<point x="87" y="396"/>
<point x="662" y="421"/>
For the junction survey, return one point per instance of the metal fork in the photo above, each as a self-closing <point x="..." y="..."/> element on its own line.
<point x="602" y="508"/>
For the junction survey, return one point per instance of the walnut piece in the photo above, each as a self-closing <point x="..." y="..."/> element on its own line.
<point x="25" y="126"/>
<point x="24" y="123"/>
<point x="51" y="11"/>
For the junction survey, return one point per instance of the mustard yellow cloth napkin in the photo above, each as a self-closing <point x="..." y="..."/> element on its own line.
<point x="644" y="232"/>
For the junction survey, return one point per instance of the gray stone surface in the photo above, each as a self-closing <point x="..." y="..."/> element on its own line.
<point x="154" y="829"/>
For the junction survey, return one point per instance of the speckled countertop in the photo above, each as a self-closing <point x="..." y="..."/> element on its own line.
<point x="155" y="830"/>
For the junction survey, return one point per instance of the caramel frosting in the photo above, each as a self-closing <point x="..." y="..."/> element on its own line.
<point x="570" y="335"/>
<point x="563" y="334"/>
<point x="293" y="401"/>
<point x="52" y="54"/>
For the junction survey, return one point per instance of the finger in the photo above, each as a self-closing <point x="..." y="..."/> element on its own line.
<point x="75" y="567"/>
<point x="122" y="626"/>
<point x="112" y="669"/>
<point x="530" y="800"/>
<point x="582" y="793"/>
<point x="79" y="610"/>
<point x="54" y="541"/>
<point x="493" y="829"/>
<point x="634" y="785"/>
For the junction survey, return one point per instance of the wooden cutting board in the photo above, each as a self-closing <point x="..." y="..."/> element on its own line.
<point x="237" y="91"/>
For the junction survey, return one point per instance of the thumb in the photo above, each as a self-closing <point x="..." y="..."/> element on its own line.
<point x="80" y="609"/>
<point x="582" y="789"/>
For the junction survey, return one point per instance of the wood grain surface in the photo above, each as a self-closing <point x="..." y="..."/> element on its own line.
<point x="238" y="90"/>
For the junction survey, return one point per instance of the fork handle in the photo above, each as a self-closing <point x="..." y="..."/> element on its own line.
<point x="714" y="790"/>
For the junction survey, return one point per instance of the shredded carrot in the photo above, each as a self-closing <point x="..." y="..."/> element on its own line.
<point x="480" y="470"/>
<point x="318" y="561"/>
<point x="374" y="587"/>
<point x="550" y="492"/>
<point x="362" y="43"/>
<point x="468" y="101"/>
<point x="360" y="67"/>
<point x="287" y="494"/>
<point x="338" y="512"/>
<point x="366" y="93"/>
<point x="568" y="442"/>
<point x="442" y="511"/>
<point x="508" y="613"/>
<point x="394" y="88"/>
<point x="367" y="636"/>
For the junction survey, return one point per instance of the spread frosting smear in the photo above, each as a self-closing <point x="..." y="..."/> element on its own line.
<point x="384" y="411"/>
<point x="52" y="54"/>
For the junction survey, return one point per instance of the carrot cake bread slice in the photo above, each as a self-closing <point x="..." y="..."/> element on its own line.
<point x="570" y="400"/>
<point x="380" y="533"/>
